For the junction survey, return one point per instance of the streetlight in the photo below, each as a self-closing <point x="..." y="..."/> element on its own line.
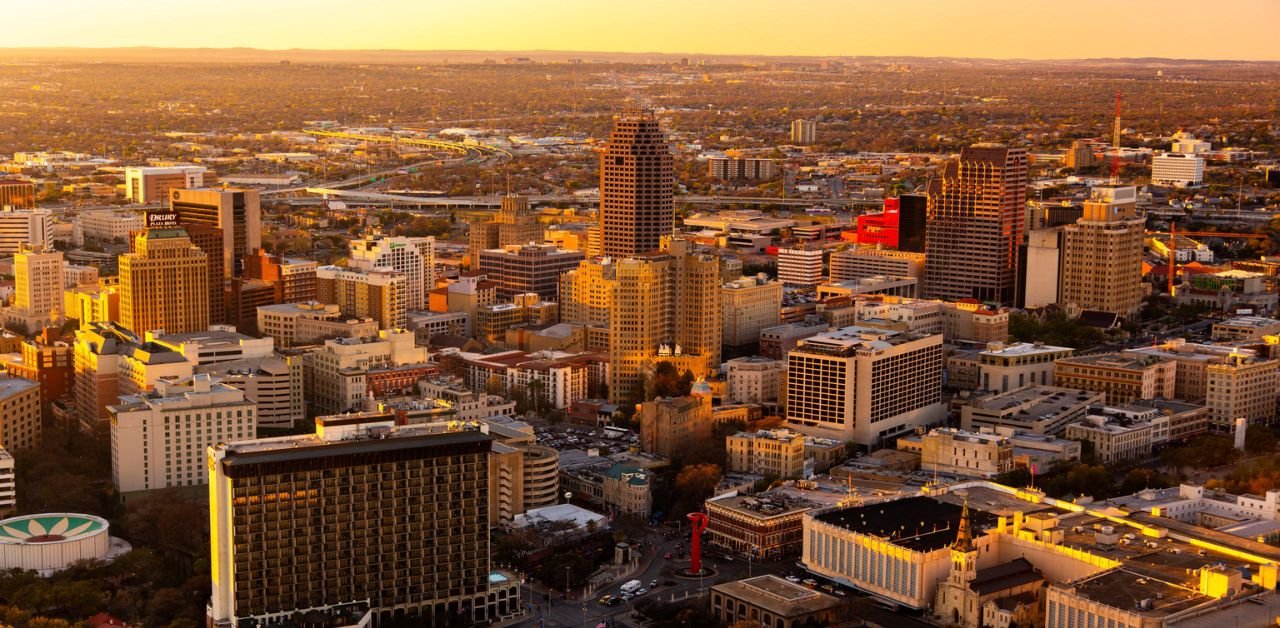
<point x="567" y="569"/>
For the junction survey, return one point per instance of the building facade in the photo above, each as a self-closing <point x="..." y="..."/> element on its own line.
<point x="637" y="182"/>
<point x="977" y="213"/>
<point x="164" y="262"/>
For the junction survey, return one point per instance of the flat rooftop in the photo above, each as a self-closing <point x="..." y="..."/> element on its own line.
<point x="1113" y="361"/>
<point x="1023" y="348"/>
<point x="778" y="596"/>
<point x="1037" y="401"/>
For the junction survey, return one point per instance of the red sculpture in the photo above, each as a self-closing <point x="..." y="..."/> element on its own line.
<point x="697" y="525"/>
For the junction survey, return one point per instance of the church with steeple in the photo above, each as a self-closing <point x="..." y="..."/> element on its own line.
<point x="1005" y="595"/>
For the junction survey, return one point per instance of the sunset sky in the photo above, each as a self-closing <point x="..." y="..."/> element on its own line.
<point x="1221" y="29"/>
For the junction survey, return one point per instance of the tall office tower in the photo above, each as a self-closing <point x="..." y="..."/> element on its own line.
<point x="523" y="268"/>
<point x="238" y="213"/>
<point x="209" y="239"/>
<point x="415" y="258"/>
<point x="637" y="208"/>
<point x="38" y="283"/>
<point x="977" y="213"/>
<point x="800" y="267"/>
<point x="804" y="131"/>
<point x="164" y="284"/>
<point x="666" y="308"/>
<point x="865" y="385"/>
<point x="348" y="541"/>
<point x="294" y="278"/>
<point x="1102" y="267"/>
<point x="377" y="294"/>
<point x="513" y="224"/>
<point x="24" y="226"/>
<point x="156" y="443"/>
<point x="17" y="193"/>
<point x="153" y="185"/>
<point x="913" y="212"/>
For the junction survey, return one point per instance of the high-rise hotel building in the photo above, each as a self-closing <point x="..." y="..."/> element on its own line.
<point x="413" y="257"/>
<point x="238" y="213"/>
<point x="977" y="215"/>
<point x="362" y="515"/>
<point x="1102" y="265"/>
<point x="164" y="284"/>
<point x="865" y="385"/>
<point x="637" y="181"/>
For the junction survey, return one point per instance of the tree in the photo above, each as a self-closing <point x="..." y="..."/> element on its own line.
<point x="1259" y="439"/>
<point x="694" y="484"/>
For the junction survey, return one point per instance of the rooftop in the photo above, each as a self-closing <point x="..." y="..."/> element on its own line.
<point x="778" y="596"/>
<point x="920" y="524"/>
<point x="1114" y="361"/>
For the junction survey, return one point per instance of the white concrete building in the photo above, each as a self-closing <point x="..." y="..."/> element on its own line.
<point x="335" y="375"/>
<point x="158" y="439"/>
<point x="29" y="226"/>
<point x="1177" y="170"/>
<point x="865" y="385"/>
<point x="152" y="184"/>
<point x="110" y="224"/>
<point x="274" y="382"/>
<point x="219" y="343"/>
<point x="754" y="380"/>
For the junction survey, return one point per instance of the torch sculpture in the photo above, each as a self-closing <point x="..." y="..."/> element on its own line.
<point x="697" y="525"/>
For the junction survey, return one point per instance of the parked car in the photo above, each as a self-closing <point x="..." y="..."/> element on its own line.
<point x="667" y="556"/>
<point x="793" y="579"/>
<point x="653" y="584"/>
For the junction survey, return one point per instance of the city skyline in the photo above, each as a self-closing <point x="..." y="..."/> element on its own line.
<point x="997" y="29"/>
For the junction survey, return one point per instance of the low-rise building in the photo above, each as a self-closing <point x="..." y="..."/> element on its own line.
<point x="1245" y="328"/>
<point x="1001" y="367"/>
<point x="771" y="601"/>
<point x="337" y="375"/>
<point x="669" y="424"/>
<point x="1114" y="437"/>
<point x="957" y="452"/>
<point x="1122" y="377"/>
<point x="768" y="453"/>
<point x="311" y="322"/>
<point x="1043" y="410"/>
<point x="619" y="488"/>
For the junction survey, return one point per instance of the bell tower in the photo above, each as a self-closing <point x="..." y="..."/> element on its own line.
<point x="964" y="555"/>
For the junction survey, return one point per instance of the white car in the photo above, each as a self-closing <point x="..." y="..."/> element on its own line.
<point x="793" y="579"/>
<point x="642" y="592"/>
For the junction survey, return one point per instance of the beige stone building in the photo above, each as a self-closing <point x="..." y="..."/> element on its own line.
<point x="1123" y="378"/>
<point x="769" y="453"/>
<point x="311" y="322"/>
<point x="949" y="450"/>
<point x="164" y="262"/>
<point x="865" y="261"/>
<point x="749" y="304"/>
<point x="378" y="294"/>
<point x="1241" y="387"/>
<point x="1102" y="260"/>
<point x="668" y="424"/>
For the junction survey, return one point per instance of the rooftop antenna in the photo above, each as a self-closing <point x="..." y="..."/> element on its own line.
<point x="1115" y="145"/>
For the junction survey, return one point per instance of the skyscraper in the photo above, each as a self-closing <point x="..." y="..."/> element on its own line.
<point x="636" y="185"/>
<point x="365" y="518"/>
<point x="666" y="308"/>
<point x="164" y="284"/>
<point x="238" y="213"/>
<point x="976" y="220"/>
<point x="1102" y="261"/>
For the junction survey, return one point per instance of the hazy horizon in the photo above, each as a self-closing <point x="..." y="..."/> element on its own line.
<point x="1237" y="30"/>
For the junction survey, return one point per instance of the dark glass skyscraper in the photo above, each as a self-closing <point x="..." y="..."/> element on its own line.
<point x="976" y="217"/>
<point x="636" y="185"/>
